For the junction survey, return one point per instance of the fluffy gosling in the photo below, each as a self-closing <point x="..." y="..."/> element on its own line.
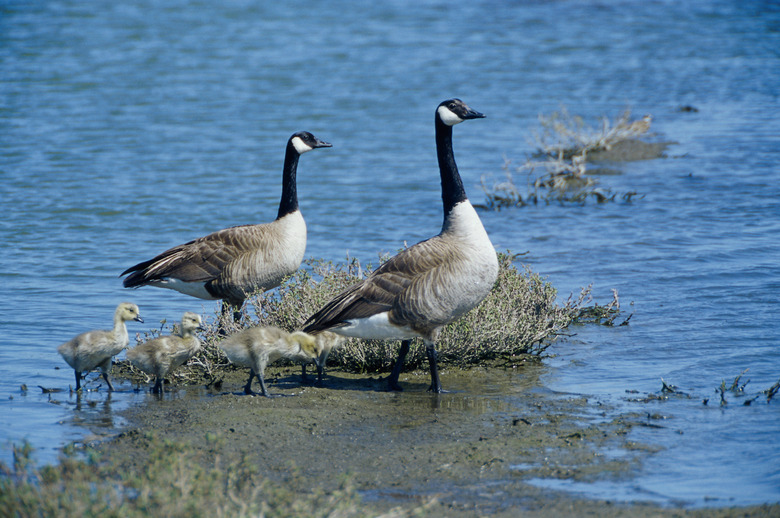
<point x="161" y="355"/>
<point x="327" y="341"/>
<point x="95" y="349"/>
<point x="256" y="347"/>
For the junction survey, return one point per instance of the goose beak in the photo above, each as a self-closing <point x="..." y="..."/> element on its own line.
<point x="139" y="319"/>
<point x="473" y="114"/>
<point x="322" y="143"/>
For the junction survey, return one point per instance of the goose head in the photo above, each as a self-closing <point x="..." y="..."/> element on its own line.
<point x="455" y="111"/>
<point x="303" y="141"/>
<point x="191" y="322"/>
<point x="129" y="311"/>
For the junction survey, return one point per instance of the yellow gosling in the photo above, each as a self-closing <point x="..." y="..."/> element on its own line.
<point x="161" y="355"/>
<point x="328" y="341"/>
<point x="94" y="349"/>
<point x="256" y="347"/>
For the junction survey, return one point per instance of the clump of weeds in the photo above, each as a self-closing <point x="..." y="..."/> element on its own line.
<point x="518" y="317"/>
<point x="604" y="315"/>
<point x="171" y="479"/>
<point x="559" y="171"/>
<point x="734" y="390"/>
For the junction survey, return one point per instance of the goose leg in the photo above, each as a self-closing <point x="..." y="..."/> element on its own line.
<point x="158" y="386"/>
<point x="227" y="309"/>
<point x="78" y="381"/>
<point x="430" y="348"/>
<point x="235" y="307"/>
<point x="399" y="365"/>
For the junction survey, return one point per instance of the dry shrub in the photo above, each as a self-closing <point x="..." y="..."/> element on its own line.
<point x="519" y="317"/>
<point x="565" y="136"/>
<point x="516" y="318"/>
<point x="558" y="174"/>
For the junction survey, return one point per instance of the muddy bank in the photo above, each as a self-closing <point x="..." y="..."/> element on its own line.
<point x="471" y="452"/>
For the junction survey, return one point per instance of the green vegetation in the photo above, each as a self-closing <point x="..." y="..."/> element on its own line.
<point x="559" y="172"/>
<point x="173" y="480"/>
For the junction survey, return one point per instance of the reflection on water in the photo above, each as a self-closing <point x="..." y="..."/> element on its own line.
<point x="92" y="412"/>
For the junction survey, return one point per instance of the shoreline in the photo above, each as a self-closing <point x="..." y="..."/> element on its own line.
<point x="470" y="452"/>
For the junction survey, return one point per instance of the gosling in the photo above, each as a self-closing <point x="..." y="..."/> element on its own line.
<point x="94" y="349"/>
<point x="327" y="341"/>
<point x="256" y="347"/>
<point x="162" y="355"/>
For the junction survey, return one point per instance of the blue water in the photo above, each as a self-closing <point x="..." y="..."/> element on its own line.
<point x="126" y="128"/>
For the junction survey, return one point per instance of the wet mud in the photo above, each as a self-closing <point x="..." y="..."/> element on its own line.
<point x="469" y="452"/>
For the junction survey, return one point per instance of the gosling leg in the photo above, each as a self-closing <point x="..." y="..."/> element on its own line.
<point x="263" y="390"/>
<point x="248" y="387"/>
<point x="110" y="386"/>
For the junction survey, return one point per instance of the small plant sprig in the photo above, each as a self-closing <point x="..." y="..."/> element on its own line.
<point x="602" y="315"/>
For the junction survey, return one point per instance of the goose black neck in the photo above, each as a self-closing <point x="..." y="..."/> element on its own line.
<point x="289" y="201"/>
<point x="452" y="191"/>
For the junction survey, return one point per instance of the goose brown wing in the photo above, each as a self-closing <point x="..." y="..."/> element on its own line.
<point x="200" y="260"/>
<point x="381" y="291"/>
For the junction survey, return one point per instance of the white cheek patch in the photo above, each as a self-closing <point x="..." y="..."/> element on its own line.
<point x="300" y="146"/>
<point x="448" y="117"/>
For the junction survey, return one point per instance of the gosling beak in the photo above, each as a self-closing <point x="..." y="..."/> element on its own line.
<point x="139" y="319"/>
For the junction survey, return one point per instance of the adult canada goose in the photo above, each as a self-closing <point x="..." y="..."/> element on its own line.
<point x="159" y="356"/>
<point x="424" y="287"/>
<point x="256" y="347"/>
<point x="95" y="349"/>
<point x="232" y="263"/>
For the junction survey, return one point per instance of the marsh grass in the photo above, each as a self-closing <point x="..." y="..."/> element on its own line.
<point x="171" y="479"/>
<point x="558" y="174"/>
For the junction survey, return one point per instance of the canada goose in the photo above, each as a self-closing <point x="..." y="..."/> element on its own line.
<point x="232" y="263"/>
<point x="424" y="287"/>
<point x="159" y="356"/>
<point x="95" y="349"/>
<point x="256" y="347"/>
